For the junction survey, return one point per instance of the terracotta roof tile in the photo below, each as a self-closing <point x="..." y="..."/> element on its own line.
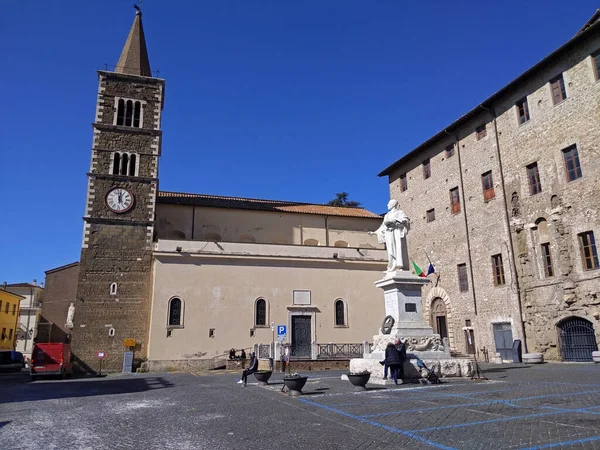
<point x="217" y="201"/>
<point x="66" y="266"/>
<point x="18" y="285"/>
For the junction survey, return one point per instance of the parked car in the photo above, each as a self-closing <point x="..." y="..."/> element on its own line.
<point x="11" y="361"/>
<point x="50" y="358"/>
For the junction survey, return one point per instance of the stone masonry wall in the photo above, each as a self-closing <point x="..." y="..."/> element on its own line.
<point x="60" y="290"/>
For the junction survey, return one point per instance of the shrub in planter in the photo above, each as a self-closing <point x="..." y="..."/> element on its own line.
<point x="294" y="383"/>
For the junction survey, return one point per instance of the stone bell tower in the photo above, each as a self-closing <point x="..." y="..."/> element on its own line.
<point x="114" y="288"/>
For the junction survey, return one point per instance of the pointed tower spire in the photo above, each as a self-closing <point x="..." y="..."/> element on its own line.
<point x="134" y="57"/>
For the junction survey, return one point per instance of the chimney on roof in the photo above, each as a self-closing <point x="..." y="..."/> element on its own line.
<point x="34" y="282"/>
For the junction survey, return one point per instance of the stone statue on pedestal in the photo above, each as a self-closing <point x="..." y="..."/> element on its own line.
<point x="392" y="233"/>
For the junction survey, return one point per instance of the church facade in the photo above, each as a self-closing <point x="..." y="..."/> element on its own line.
<point x="180" y="279"/>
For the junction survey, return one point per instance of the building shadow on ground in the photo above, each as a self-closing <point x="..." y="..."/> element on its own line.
<point x="503" y="368"/>
<point x="86" y="387"/>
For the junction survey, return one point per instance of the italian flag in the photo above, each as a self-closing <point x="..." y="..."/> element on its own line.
<point x="418" y="270"/>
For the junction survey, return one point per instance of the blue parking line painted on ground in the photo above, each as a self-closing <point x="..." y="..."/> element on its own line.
<point x="377" y="424"/>
<point x="435" y="408"/>
<point x="561" y="444"/>
<point x="483" y="422"/>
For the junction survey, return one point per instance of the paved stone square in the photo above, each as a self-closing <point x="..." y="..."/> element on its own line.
<point x="524" y="407"/>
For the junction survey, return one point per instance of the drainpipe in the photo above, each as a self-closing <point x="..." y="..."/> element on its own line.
<point x="513" y="265"/>
<point x="462" y="188"/>
<point x="326" y="231"/>
<point x="193" y="220"/>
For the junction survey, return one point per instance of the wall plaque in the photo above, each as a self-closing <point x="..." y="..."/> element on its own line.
<point x="410" y="307"/>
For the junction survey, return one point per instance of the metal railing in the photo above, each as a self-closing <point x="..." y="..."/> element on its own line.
<point x="339" y="351"/>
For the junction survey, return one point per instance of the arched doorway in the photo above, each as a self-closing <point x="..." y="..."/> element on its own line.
<point x="576" y="339"/>
<point x="438" y="317"/>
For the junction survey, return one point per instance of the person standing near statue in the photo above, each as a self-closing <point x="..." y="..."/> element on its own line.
<point x="392" y="232"/>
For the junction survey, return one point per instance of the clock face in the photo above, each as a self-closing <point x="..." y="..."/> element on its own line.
<point x="119" y="200"/>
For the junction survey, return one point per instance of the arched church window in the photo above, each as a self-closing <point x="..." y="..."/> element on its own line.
<point x="136" y="114"/>
<point x="124" y="163"/>
<point x="116" y="163"/>
<point x="121" y="112"/>
<point x="340" y="316"/>
<point x="340" y="244"/>
<point x="260" y="319"/>
<point x="132" y="161"/>
<point x="312" y="242"/>
<point x="175" y="309"/>
<point x="129" y="113"/>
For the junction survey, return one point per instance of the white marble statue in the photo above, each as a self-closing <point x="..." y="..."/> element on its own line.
<point x="70" y="315"/>
<point x="392" y="233"/>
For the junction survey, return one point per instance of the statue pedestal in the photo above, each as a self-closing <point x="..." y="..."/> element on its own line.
<point x="402" y="295"/>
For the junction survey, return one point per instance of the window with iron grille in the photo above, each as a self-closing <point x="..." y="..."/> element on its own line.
<point x="463" y="278"/>
<point x="431" y="215"/>
<point x="596" y="64"/>
<point x="533" y="175"/>
<point x="572" y="166"/>
<point x="455" y="200"/>
<point x="587" y="245"/>
<point x="175" y="312"/>
<point x="523" y="110"/>
<point x="403" y="183"/>
<point x="481" y="131"/>
<point x="547" y="257"/>
<point x="426" y="169"/>
<point x="557" y="86"/>
<point x="340" y="319"/>
<point x="450" y="151"/>
<point x="498" y="270"/>
<point x="261" y="313"/>
<point x="129" y="113"/>
<point x="488" y="186"/>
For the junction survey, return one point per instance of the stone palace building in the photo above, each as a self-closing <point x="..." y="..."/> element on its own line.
<point x="505" y="203"/>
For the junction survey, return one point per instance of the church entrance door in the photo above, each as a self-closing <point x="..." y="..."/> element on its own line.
<point x="301" y="343"/>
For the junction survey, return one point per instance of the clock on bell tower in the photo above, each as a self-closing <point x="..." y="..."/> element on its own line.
<point x="113" y="295"/>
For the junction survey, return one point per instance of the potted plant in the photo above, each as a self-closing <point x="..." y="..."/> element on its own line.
<point x="359" y="379"/>
<point x="263" y="376"/>
<point x="294" y="383"/>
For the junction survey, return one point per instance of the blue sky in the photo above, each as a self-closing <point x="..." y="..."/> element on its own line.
<point x="269" y="99"/>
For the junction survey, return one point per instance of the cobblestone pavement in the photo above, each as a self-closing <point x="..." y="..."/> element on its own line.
<point x="525" y="407"/>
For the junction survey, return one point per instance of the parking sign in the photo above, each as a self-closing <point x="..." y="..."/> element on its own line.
<point x="281" y="330"/>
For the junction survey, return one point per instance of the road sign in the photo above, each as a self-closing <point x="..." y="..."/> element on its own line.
<point x="129" y="342"/>
<point x="281" y="330"/>
<point x="100" y="355"/>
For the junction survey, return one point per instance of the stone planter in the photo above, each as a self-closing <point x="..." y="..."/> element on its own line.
<point x="533" y="358"/>
<point x="263" y="377"/>
<point x="359" y="380"/>
<point x="596" y="357"/>
<point x="295" y="385"/>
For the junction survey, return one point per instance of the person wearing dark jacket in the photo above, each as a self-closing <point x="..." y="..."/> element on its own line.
<point x="250" y="370"/>
<point x="392" y="360"/>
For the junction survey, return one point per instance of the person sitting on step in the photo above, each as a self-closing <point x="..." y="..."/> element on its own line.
<point x="250" y="370"/>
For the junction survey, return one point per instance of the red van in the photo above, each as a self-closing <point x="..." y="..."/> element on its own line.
<point x="51" y="358"/>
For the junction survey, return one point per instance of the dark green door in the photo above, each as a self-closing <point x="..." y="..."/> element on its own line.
<point x="301" y="342"/>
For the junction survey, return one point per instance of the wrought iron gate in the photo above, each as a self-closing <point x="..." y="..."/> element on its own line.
<point x="576" y="339"/>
